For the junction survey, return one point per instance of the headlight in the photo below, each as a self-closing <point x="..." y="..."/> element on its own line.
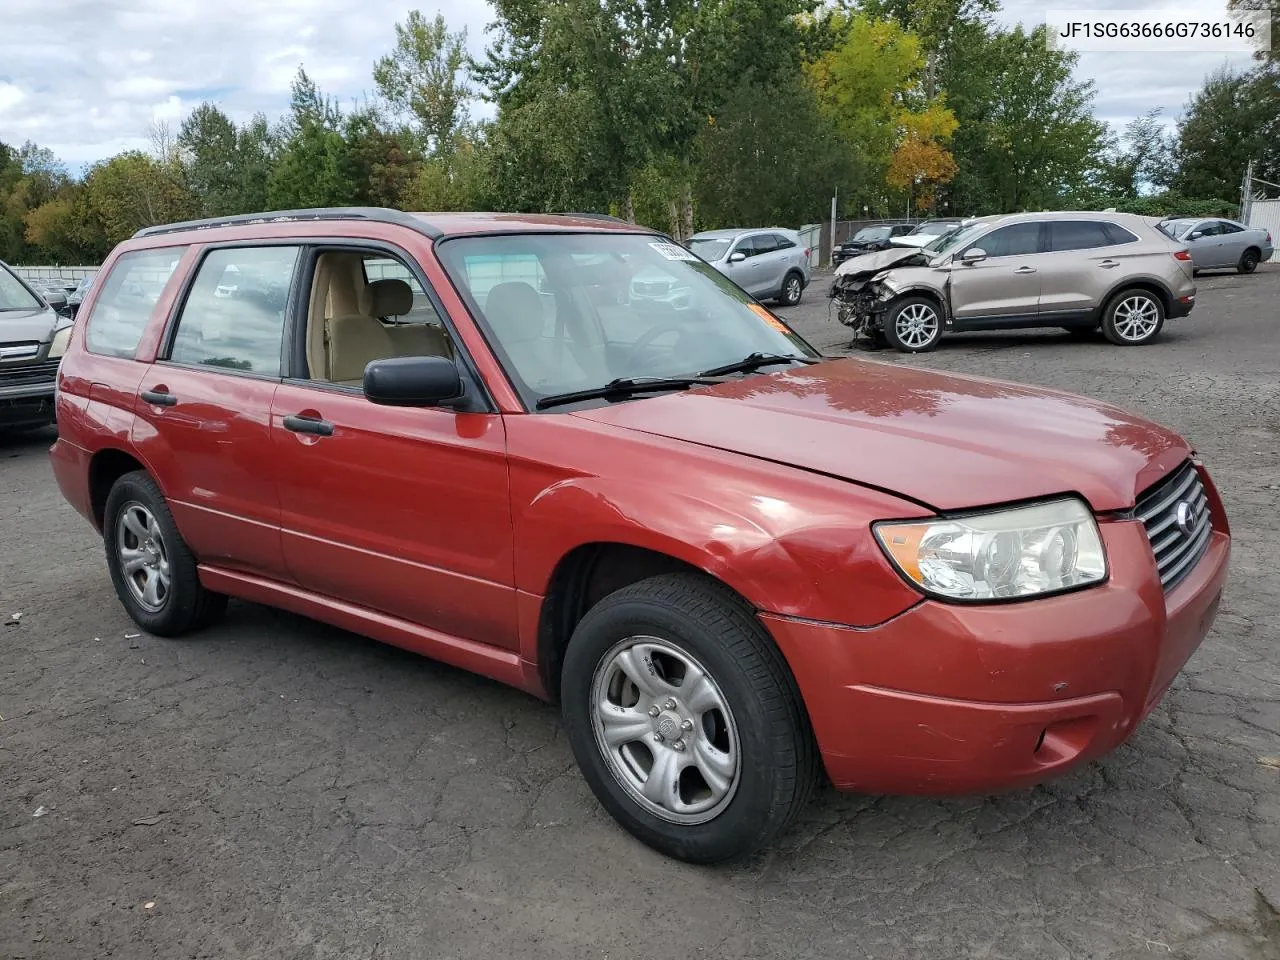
<point x="1004" y="554"/>
<point x="60" y="340"/>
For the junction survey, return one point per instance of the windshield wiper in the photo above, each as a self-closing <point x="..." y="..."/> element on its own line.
<point x="754" y="361"/>
<point x="624" y="387"/>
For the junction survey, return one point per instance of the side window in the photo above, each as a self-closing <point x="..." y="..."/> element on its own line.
<point x="233" y="316"/>
<point x="371" y="306"/>
<point x="1015" y="240"/>
<point x="1077" y="235"/>
<point x="1118" y="234"/>
<point x="129" y="294"/>
<point x="1226" y="227"/>
<point x="782" y="243"/>
<point x="747" y="246"/>
<point x="1209" y="228"/>
<point x="764" y="243"/>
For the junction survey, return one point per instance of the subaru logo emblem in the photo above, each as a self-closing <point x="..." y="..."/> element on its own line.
<point x="1185" y="517"/>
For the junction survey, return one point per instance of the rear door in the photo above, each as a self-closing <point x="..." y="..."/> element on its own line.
<point x="1002" y="290"/>
<point x="1083" y="262"/>
<point x="203" y="410"/>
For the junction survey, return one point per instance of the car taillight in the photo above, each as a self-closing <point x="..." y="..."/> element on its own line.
<point x="809" y="250"/>
<point x="1182" y="255"/>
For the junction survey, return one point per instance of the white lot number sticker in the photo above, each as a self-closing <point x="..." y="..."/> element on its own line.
<point x="673" y="251"/>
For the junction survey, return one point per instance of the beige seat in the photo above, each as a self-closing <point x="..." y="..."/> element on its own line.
<point x="514" y="311"/>
<point x="355" y="341"/>
<point x="394" y="298"/>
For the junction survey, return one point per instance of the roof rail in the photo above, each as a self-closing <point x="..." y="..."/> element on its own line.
<point x="597" y="216"/>
<point x="380" y="214"/>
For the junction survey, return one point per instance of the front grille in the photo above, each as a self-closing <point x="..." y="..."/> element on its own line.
<point x="29" y="374"/>
<point x="1175" y="513"/>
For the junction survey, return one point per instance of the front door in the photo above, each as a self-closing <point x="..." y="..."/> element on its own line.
<point x="1004" y="288"/>
<point x="203" y="411"/>
<point x="401" y="510"/>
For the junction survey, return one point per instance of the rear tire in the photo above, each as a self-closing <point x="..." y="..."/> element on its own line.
<point x="674" y="677"/>
<point x="1249" y="261"/>
<point x="151" y="566"/>
<point x="1133" y="318"/>
<point x="792" y="289"/>
<point x="913" y="325"/>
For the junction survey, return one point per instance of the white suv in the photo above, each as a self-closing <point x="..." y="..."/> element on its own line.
<point x="770" y="263"/>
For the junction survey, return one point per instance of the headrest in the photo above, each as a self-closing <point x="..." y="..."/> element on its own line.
<point x="390" y="298"/>
<point x="514" y="310"/>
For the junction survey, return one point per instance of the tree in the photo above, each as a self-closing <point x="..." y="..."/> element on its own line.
<point x="313" y="166"/>
<point x="1271" y="53"/>
<point x="921" y="162"/>
<point x="131" y="191"/>
<point x="424" y="82"/>
<point x="1228" y="122"/>
<point x="211" y="154"/>
<point x="1030" y="141"/>
<point x="1143" y="160"/>
<point x="769" y="156"/>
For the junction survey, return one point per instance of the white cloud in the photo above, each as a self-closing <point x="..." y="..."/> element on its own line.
<point x="87" y="77"/>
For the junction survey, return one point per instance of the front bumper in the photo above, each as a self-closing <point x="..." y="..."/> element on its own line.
<point x="29" y="405"/>
<point x="949" y="699"/>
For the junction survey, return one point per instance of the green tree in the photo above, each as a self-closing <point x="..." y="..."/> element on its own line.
<point x="1030" y="141"/>
<point x="133" y="190"/>
<point x="1143" y="159"/>
<point x="769" y="157"/>
<point x="424" y="81"/>
<point x="211" y="153"/>
<point x="313" y="167"/>
<point x="1229" y="121"/>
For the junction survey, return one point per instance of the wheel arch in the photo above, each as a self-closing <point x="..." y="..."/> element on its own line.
<point x="106" y="466"/>
<point x="1149" y="284"/>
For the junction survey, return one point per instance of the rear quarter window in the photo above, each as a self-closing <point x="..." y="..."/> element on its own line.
<point x="129" y="294"/>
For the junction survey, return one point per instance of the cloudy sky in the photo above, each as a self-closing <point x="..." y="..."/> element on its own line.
<point x="87" y="77"/>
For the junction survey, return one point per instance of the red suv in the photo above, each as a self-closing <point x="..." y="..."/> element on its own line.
<point x="734" y="563"/>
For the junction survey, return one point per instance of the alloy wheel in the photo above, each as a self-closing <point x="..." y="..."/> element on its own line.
<point x="144" y="560"/>
<point x="1136" y="318"/>
<point x="916" y="325"/>
<point x="665" y="730"/>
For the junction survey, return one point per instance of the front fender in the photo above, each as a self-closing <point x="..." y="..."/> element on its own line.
<point x="798" y="554"/>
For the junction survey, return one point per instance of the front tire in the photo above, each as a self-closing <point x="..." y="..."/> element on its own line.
<point x="685" y="720"/>
<point x="1133" y="318"/>
<point x="914" y="325"/>
<point x="1248" y="261"/>
<point x="152" y="568"/>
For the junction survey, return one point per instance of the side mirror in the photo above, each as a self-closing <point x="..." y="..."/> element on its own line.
<point x="55" y="298"/>
<point x="973" y="255"/>
<point x="737" y="256"/>
<point x="413" y="382"/>
<point x="1196" y="235"/>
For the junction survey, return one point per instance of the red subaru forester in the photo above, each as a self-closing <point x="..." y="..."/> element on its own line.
<point x="564" y="452"/>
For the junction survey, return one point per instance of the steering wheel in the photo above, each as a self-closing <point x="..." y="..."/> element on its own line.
<point x="646" y="339"/>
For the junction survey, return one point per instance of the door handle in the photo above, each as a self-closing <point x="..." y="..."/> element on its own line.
<point x="1108" y="264"/>
<point x="1025" y="270"/>
<point x="298" y="424"/>
<point x="161" y="398"/>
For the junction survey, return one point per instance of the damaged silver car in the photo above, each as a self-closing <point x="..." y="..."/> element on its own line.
<point x="1077" y="271"/>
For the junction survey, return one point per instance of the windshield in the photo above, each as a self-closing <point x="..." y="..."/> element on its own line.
<point x="14" y="296"/>
<point x="709" y="248"/>
<point x="954" y="239"/>
<point x="1176" y="228"/>
<point x="934" y="228"/>
<point x="872" y="233"/>
<point x="569" y="312"/>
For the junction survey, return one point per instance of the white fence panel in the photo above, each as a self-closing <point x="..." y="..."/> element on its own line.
<point x="1266" y="214"/>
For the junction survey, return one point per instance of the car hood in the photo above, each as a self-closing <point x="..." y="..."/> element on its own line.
<point x="948" y="442"/>
<point x="24" y="326"/>
<point x="870" y="263"/>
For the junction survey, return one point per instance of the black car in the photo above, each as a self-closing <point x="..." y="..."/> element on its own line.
<point x="870" y="239"/>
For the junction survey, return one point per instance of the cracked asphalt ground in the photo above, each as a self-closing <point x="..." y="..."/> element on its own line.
<point x="277" y="788"/>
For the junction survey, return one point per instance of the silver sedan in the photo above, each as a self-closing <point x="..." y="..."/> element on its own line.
<point x="1216" y="243"/>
